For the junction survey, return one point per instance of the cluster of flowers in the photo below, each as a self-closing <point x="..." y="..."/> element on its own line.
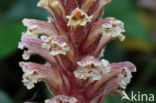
<point x="72" y="41"/>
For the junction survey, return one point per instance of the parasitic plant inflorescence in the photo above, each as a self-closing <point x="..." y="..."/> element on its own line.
<point x="71" y="41"/>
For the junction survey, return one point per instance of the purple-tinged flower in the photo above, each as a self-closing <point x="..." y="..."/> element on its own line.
<point x="62" y="99"/>
<point x="89" y="67"/>
<point x="71" y="41"/>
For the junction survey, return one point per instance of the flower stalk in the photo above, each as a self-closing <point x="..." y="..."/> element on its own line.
<point x="71" y="42"/>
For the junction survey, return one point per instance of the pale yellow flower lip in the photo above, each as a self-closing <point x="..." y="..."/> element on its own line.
<point x="89" y="67"/>
<point x="56" y="45"/>
<point x="78" y="18"/>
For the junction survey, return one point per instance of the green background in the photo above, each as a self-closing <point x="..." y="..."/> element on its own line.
<point x="139" y="48"/>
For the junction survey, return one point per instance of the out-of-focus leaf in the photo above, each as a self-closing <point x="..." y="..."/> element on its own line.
<point x="4" y="98"/>
<point x="47" y="92"/>
<point x="148" y="20"/>
<point x="114" y="52"/>
<point x="133" y="44"/>
<point x="26" y="9"/>
<point x="10" y="31"/>
<point x="125" y="11"/>
<point x="113" y="99"/>
<point x="147" y="74"/>
<point x="5" y="4"/>
<point x="10" y="34"/>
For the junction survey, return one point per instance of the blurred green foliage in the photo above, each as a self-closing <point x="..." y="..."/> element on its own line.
<point x="11" y="26"/>
<point x="4" y="98"/>
<point x="9" y="37"/>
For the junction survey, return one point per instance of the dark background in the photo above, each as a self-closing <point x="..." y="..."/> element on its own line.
<point x="139" y="47"/>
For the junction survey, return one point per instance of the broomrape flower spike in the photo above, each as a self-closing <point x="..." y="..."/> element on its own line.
<point x="71" y="42"/>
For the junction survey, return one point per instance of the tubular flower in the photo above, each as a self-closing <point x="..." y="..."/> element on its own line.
<point x="71" y="42"/>
<point x="114" y="28"/>
<point x="62" y="99"/>
<point x="90" y="67"/>
<point x="55" y="45"/>
<point x="78" y="17"/>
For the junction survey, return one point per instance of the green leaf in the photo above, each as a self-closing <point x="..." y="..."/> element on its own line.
<point x="4" y="98"/>
<point x="47" y="91"/>
<point x="10" y="34"/>
<point x="113" y="99"/>
<point x="113" y="52"/>
<point x="11" y="26"/>
<point x="125" y="10"/>
<point x="148" y="72"/>
<point x="26" y="9"/>
<point x="5" y="4"/>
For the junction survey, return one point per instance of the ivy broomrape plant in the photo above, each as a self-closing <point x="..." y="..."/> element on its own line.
<point x="72" y="41"/>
